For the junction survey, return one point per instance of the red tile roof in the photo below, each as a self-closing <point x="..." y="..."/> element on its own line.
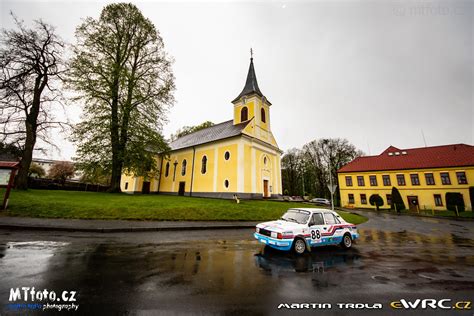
<point x="457" y="155"/>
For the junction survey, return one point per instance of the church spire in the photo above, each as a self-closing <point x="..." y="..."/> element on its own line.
<point x="251" y="85"/>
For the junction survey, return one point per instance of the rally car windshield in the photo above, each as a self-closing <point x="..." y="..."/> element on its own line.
<point x="295" y="216"/>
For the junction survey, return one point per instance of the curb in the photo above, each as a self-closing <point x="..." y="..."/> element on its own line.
<point x="122" y="229"/>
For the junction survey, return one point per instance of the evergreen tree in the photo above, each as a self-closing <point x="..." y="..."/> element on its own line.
<point x="397" y="200"/>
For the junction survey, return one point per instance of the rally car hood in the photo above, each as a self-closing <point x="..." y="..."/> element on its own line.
<point x="280" y="226"/>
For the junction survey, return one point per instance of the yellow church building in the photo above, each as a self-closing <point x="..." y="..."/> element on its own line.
<point x="237" y="157"/>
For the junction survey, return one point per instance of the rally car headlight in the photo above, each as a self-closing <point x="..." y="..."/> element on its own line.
<point x="274" y="235"/>
<point x="257" y="230"/>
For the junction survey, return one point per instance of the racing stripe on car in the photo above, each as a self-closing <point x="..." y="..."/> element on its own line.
<point x="333" y="229"/>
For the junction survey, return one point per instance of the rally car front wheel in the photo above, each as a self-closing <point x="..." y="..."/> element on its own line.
<point x="299" y="246"/>
<point x="346" y="241"/>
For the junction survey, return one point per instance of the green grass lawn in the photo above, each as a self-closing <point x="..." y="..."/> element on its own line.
<point x="91" y="205"/>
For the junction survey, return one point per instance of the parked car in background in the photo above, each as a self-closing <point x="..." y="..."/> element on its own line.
<point x="321" y="201"/>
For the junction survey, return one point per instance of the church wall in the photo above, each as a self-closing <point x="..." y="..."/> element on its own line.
<point x="245" y="171"/>
<point x="204" y="182"/>
<point x="166" y="182"/>
<point x="227" y="169"/>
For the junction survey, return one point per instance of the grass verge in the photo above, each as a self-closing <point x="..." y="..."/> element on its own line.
<point x="91" y="205"/>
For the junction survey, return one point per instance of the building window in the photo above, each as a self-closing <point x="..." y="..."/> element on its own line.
<point x="226" y="184"/>
<point x="244" y="114"/>
<point x="167" y="169"/>
<point x="126" y="185"/>
<point x="461" y="175"/>
<point x="438" y="200"/>
<point x="183" y="167"/>
<point x="414" y="179"/>
<point x="227" y="155"/>
<point x="204" y="165"/>
<point x="389" y="199"/>
<point x="262" y="114"/>
<point x="445" y="178"/>
<point x="348" y="181"/>
<point x="351" y="198"/>
<point x="363" y="199"/>
<point x="175" y="164"/>
<point x="401" y="179"/>
<point x="265" y="160"/>
<point x="360" y="181"/>
<point x="386" y="180"/>
<point x="429" y="179"/>
<point x="373" y="181"/>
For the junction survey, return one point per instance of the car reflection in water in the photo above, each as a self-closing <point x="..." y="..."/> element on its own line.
<point x="319" y="262"/>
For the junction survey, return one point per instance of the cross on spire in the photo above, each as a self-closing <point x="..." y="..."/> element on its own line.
<point x="251" y="53"/>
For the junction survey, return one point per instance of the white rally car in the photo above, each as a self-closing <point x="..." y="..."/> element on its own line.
<point x="302" y="228"/>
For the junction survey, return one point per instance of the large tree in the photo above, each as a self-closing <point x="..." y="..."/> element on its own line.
<point x="123" y="75"/>
<point x="307" y="170"/>
<point x="326" y="156"/>
<point x="292" y="172"/>
<point x="31" y="68"/>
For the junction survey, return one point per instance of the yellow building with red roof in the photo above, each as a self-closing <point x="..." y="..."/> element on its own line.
<point x="423" y="176"/>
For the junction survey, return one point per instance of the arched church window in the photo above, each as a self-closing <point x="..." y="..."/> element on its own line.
<point x="183" y="168"/>
<point x="244" y="114"/>
<point x="167" y="169"/>
<point x="262" y="111"/>
<point x="204" y="165"/>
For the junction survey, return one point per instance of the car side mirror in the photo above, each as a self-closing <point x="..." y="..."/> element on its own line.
<point x="310" y="224"/>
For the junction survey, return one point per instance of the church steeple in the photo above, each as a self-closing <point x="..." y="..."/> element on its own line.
<point x="251" y="85"/>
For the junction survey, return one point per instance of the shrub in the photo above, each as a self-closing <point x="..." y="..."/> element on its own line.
<point x="61" y="170"/>
<point x="454" y="199"/>
<point x="36" y="170"/>
<point x="376" y="200"/>
<point x="397" y="201"/>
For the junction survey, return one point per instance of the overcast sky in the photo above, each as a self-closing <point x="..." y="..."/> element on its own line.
<point x="376" y="73"/>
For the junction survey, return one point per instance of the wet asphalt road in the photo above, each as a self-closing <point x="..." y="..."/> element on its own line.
<point x="227" y="272"/>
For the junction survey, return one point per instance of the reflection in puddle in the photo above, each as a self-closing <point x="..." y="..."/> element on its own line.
<point x="29" y="259"/>
<point x="37" y="245"/>
<point x="316" y="261"/>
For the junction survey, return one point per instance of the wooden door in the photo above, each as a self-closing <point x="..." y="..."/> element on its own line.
<point x="146" y="187"/>
<point x="265" y="188"/>
<point x="413" y="203"/>
<point x="181" y="188"/>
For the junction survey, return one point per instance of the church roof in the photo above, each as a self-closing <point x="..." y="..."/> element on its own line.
<point x="251" y="85"/>
<point x="216" y="132"/>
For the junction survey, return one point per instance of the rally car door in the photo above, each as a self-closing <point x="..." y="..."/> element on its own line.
<point x="332" y="232"/>
<point x="316" y="229"/>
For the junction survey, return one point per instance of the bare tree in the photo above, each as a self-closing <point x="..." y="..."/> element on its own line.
<point x="31" y="68"/>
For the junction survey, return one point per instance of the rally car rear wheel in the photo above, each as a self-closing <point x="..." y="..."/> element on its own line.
<point x="299" y="246"/>
<point x="346" y="241"/>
